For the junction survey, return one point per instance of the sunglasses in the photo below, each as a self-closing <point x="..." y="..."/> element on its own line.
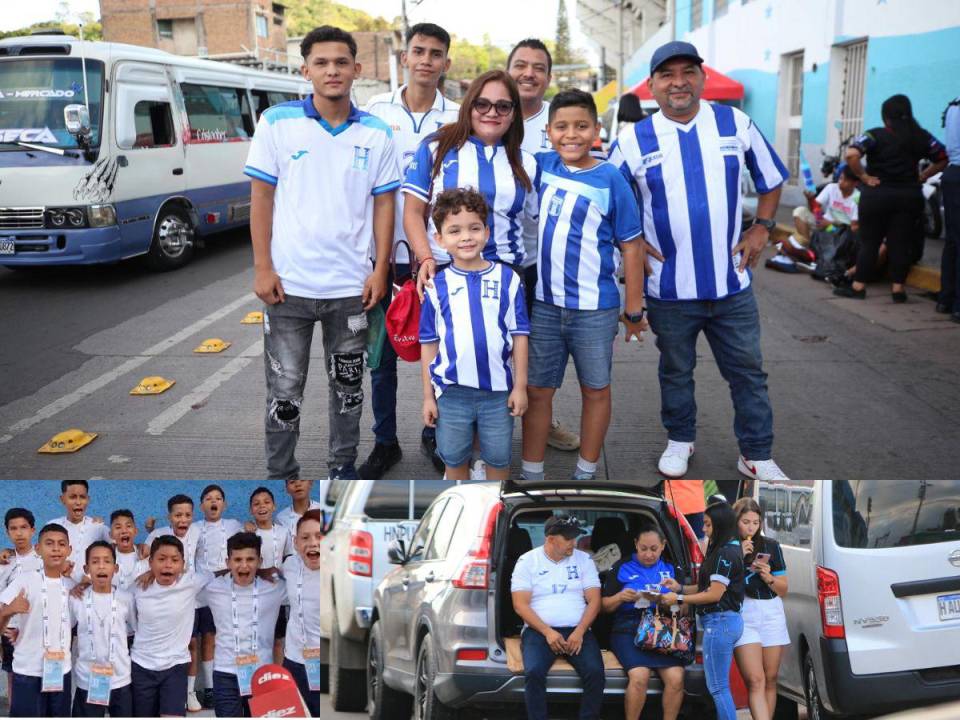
<point x="502" y="107"/>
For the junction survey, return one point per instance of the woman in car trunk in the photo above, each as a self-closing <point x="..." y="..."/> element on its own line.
<point x="622" y="589"/>
<point x="718" y="598"/>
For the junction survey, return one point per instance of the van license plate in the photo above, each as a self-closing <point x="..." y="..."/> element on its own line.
<point x="949" y="606"/>
<point x="7" y="247"/>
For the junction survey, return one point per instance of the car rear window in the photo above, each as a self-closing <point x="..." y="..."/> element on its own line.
<point x="390" y="499"/>
<point x="876" y="514"/>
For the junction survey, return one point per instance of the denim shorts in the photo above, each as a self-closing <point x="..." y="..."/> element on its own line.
<point x="465" y="412"/>
<point x="556" y="333"/>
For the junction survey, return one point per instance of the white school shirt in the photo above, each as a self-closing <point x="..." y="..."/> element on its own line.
<point x="275" y="545"/>
<point x="409" y="129"/>
<point x="131" y="567"/>
<point x="289" y="518"/>
<point x="837" y="208"/>
<point x="165" y="621"/>
<point x="29" y="648"/>
<point x="688" y="176"/>
<point x="585" y="215"/>
<point x="486" y="169"/>
<point x="19" y="564"/>
<point x="326" y="178"/>
<point x="121" y="625"/>
<point x="557" y="587"/>
<point x="473" y="316"/>
<point x="212" y="542"/>
<point x="535" y="141"/>
<point x="217" y="596"/>
<point x="306" y="633"/>
<point x="82" y="535"/>
<point x="190" y="541"/>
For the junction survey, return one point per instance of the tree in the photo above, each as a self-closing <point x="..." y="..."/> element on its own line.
<point x="562" y="55"/>
<point x="92" y="29"/>
<point x="467" y="60"/>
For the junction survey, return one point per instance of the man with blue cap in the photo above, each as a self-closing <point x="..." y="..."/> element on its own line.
<point x="685" y="163"/>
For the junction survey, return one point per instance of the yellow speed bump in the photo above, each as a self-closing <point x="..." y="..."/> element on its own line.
<point x="68" y="441"/>
<point x="212" y="345"/>
<point x="153" y="385"/>
<point x="253" y="318"/>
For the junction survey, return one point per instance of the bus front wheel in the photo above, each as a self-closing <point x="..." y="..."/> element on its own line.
<point x="173" y="240"/>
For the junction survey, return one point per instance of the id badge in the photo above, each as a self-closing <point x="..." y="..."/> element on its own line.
<point x="246" y="666"/>
<point x="52" y="671"/>
<point x="99" y="692"/>
<point x="311" y="659"/>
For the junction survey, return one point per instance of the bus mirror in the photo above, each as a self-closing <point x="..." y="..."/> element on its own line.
<point x="77" y="119"/>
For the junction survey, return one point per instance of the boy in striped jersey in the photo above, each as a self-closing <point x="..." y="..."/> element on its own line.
<point x="588" y="217"/>
<point x="473" y="321"/>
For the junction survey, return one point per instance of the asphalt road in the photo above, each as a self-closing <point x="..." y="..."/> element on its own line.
<point x="859" y="389"/>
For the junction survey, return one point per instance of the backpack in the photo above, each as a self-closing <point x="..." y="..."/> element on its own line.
<point x="836" y="251"/>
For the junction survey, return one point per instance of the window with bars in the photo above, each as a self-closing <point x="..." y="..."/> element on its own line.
<point x="851" y="99"/>
<point x="796" y="84"/>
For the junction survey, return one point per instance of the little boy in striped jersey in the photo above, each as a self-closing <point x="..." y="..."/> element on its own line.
<point x="472" y="324"/>
<point x="589" y="217"/>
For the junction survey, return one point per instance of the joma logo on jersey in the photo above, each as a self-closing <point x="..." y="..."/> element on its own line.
<point x="361" y="158"/>
<point x="491" y="289"/>
<point x="556" y="203"/>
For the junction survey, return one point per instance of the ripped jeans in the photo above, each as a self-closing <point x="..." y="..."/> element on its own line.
<point x="287" y="335"/>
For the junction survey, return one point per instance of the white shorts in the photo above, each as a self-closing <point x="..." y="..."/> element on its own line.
<point x="804" y="213"/>
<point x="764" y="623"/>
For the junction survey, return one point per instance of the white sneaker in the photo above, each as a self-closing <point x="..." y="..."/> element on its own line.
<point x="193" y="705"/>
<point x="765" y="470"/>
<point x="673" y="462"/>
<point x="478" y="471"/>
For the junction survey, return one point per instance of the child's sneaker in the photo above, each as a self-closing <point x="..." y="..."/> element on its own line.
<point x="193" y="705"/>
<point x="673" y="463"/>
<point x="478" y="471"/>
<point x="582" y="475"/>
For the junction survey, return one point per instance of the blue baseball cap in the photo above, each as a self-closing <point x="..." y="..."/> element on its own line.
<point x="671" y="50"/>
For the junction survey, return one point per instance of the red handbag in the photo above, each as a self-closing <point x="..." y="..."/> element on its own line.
<point x="403" y="315"/>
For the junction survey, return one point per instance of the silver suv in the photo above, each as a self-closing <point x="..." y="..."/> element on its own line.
<point x="445" y="635"/>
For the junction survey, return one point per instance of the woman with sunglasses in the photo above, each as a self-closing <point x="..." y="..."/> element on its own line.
<point x="480" y="150"/>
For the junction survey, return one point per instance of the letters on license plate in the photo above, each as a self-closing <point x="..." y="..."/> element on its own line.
<point x="949" y="607"/>
<point x="7" y="247"/>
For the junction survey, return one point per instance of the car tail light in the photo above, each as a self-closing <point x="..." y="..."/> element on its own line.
<point x="475" y="572"/>
<point x="828" y="594"/>
<point x="360" y="554"/>
<point x="471" y="655"/>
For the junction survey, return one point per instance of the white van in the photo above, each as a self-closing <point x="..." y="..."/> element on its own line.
<point x="874" y="601"/>
<point x="110" y="151"/>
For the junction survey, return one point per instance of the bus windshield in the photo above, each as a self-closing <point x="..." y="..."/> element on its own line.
<point x="33" y="94"/>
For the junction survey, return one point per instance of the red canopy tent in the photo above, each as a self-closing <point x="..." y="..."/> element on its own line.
<point x="717" y="87"/>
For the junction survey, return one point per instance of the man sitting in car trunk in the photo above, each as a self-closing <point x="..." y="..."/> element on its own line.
<point x="556" y="592"/>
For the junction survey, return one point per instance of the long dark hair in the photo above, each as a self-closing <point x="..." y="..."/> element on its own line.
<point x="724" y="522"/>
<point x="897" y="114"/>
<point x="742" y="507"/>
<point x="455" y="135"/>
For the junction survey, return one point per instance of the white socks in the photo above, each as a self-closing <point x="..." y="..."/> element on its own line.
<point x="206" y="667"/>
<point x="191" y="683"/>
<point x="586" y="466"/>
<point x="532" y="470"/>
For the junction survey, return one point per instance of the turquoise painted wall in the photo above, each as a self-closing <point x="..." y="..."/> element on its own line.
<point x="683" y="14"/>
<point x="760" y="98"/>
<point x="815" y="87"/>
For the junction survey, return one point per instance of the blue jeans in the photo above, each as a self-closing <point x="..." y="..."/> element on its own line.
<point x="227" y="701"/>
<point x="721" y="630"/>
<point x="28" y="701"/>
<point x="732" y="327"/>
<point x="950" y="261"/>
<point x="311" y="697"/>
<point x="556" y="333"/>
<point x="538" y="658"/>
<point x="465" y="412"/>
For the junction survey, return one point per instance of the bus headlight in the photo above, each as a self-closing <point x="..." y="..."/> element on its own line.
<point x="102" y="215"/>
<point x="76" y="217"/>
<point x="66" y="217"/>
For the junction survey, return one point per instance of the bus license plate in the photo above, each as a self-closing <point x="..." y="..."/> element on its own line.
<point x="949" y="606"/>
<point x="7" y="247"/>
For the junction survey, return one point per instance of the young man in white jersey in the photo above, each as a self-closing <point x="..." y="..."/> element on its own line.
<point x="530" y="65"/>
<point x="75" y="496"/>
<point x="299" y="492"/>
<point x="277" y="544"/>
<point x="302" y="575"/>
<point x="105" y="617"/>
<point x="324" y="176"/>
<point x="413" y="111"/>
<point x="556" y="592"/>
<point x="21" y="526"/>
<point x="245" y="610"/>
<point x="40" y="600"/>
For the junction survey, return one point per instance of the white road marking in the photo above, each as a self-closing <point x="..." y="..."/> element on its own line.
<point x="87" y="389"/>
<point x="118" y="459"/>
<point x="176" y="411"/>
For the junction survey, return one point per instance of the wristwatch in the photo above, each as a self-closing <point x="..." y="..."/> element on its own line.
<point x="634" y="318"/>
<point x="679" y="598"/>
<point x="764" y="222"/>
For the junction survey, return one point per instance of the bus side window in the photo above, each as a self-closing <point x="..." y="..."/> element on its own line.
<point x="277" y="97"/>
<point x="249" y="123"/>
<point x="261" y="101"/>
<point x="153" y="125"/>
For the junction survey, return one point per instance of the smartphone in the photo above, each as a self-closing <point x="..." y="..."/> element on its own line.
<point x="761" y="558"/>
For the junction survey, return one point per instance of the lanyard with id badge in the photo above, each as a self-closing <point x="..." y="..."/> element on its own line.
<point x="246" y="664"/>
<point x="100" y="673"/>
<point x="53" y="660"/>
<point x="311" y="656"/>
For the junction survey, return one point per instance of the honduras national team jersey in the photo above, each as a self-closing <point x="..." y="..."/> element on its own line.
<point x="408" y="131"/>
<point x="535" y="141"/>
<point x="473" y="316"/>
<point x="583" y="214"/>
<point x="484" y="168"/>
<point x="326" y="179"/>
<point x="688" y="178"/>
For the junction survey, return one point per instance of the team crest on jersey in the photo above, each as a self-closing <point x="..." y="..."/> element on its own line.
<point x="556" y="204"/>
<point x="491" y="289"/>
<point x="361" y="158"/>
<point x="544" y="142"/>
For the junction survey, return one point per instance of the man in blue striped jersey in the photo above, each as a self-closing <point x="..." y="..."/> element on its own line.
<point x="686" y="163"/>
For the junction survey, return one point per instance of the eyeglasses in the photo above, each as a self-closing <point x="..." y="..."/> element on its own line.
<point x="502" y="107"/>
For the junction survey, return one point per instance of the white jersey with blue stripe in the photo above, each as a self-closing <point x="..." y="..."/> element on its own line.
<point x="688" y="177"/>
<point x="473" y="316"/>
<point x="326" y="178"/>
<point x="409" y="130"/>
<point x="584" y="214"/>
<point x="535" y="141"/>
<point x="486" y="169"/>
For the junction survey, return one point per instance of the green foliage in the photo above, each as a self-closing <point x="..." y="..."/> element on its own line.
<point x="304" y="15"/>
<point x="92" y="29"/>
<point x="469" y="60"/>
<point x="561" y="52"/>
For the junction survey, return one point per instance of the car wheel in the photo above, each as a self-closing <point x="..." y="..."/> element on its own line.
<point x="426" y="706"/>
<point x="786" y="709"/>
<point x="348" y="688"/>
<point x="172" y="244"/>
<point x="815" y="707"/>
<point x="383" y="702"/>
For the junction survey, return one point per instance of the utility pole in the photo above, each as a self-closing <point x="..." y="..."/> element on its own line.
<point x="620" y="43"/>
